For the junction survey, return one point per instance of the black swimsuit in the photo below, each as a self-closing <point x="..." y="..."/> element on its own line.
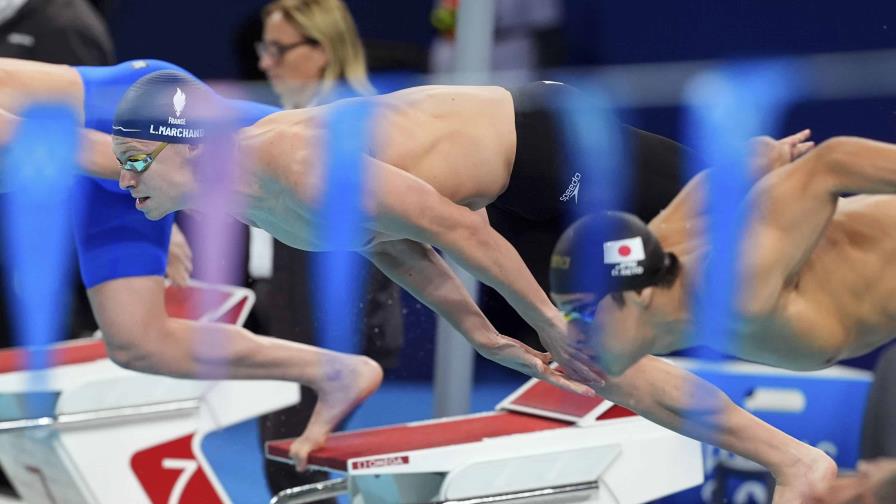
<point x="544" y="183"/>
<point x="545" y="189"/>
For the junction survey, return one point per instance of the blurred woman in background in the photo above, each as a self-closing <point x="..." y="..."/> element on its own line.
<point x="311" y="54"/>
<point x="310" y="48"/>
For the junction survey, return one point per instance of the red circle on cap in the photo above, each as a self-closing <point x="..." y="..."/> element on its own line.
<point x="625" y="250"/>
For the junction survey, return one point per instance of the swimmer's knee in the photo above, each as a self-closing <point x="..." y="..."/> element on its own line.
<point x="371" y="367"/>
<point x="128" y="356"/>
<point x="131" y="353"/>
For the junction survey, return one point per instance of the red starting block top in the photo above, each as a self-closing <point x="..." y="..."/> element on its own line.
<point x="344" y="446"/>
<point x="535" y="406"/>
<point x="69" y="352"/>
<point x="543" y="399"/>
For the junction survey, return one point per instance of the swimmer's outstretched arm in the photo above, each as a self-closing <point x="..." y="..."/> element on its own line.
<point x="682" y="402"/>
<point x="96" y="157"/>
<point x="422" y="272"/>
<point x="404" y="205"/>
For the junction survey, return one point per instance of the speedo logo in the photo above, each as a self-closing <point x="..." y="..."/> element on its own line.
<point x="573" y="190"/>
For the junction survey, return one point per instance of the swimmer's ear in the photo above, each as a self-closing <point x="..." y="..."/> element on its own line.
<point x="644" y="297"/>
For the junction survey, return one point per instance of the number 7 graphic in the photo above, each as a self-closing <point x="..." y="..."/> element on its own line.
<point x="170" y="474"/>
<point x="187" y="468"/>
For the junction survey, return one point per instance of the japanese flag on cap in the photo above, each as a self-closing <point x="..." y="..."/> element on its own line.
<point x="623" y="251"/>
<point x="632" y="256"/>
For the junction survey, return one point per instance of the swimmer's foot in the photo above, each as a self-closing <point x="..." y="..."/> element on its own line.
<point x="347" y="380"/>
<point x="811" y="474"/>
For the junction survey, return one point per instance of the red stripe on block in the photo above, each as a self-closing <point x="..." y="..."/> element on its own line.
<point x="343" y="446"/>
<point x="617" y="411"/>
<point x="232" y="316"/>
<point x="69" y="352"/>
<point x="180" y="302"/>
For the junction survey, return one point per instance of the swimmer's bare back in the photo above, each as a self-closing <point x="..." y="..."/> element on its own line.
<point x="439" y="155"/>
<point x="459" y="139"/>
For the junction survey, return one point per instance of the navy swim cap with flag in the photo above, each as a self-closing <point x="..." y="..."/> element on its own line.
<point x="607" y="252"/>
<point x="168" y="106"/>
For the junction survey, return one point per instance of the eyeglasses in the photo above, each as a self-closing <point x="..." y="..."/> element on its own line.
<point x="140" y="162"/>
<point x="582" y="311"/>
<point x="276" y="50"/>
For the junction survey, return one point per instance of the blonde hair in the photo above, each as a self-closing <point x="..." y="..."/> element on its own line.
<point x="331" y="25"/>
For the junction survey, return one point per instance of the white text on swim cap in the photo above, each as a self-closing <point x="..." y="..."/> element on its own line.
<point x="155" y="129"/>
<point x="627" y="269"/>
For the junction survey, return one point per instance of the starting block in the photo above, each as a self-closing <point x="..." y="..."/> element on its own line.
<point x="85" y="431"/>
<point x="541" y="444"/>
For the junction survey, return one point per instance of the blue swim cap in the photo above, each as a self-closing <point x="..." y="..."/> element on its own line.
<point x="167" y="106"/>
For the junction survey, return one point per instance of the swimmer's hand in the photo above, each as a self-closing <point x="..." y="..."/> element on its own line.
<point x="882" y="473"/>
<point x="525" y="359"/>
<point x="769" y="154"/>
<point x="569" y="349"/>
<point x="847" y="489"/>
<point x="804" y="474"/>
<point x="180" y="258"/>
<point x="873" y="483"/>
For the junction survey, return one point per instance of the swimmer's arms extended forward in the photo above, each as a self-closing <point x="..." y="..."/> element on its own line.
<point x="422" y="272"/>
<point x="403" y="205"/>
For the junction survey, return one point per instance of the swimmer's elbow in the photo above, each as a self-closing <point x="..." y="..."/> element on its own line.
<point x="448" y="226"/>
<point x="134" y="357"/>
<point x="615" y="367"/>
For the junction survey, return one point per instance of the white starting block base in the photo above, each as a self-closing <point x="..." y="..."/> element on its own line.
<point x="543" y="441"/>
<point x="86" y="431"/>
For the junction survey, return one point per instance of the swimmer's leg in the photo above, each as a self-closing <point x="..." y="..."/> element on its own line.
<point x="344" y="383"/>
<point x="141" y="336"/>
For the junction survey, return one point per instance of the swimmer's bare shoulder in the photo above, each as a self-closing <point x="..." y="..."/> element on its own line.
<point x="285" y="147"/>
